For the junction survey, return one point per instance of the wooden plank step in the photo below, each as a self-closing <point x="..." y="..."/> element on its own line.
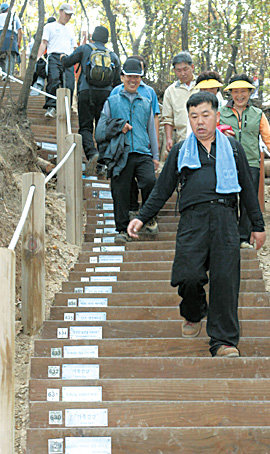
<point x="206" y="367"/>
<point x="165" y="414"/>
<point x="249" y="285"/>
<point x="150" y="313"/>
<point x="162" y="347"/>
<point x="210" y="440"/>
<point x="156" y="299"/>
<point x="163" y="389"/>
<point x="146" y="275"/>
<point x="150" y="328"/>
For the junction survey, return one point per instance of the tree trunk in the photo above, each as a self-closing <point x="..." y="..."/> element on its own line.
<point x="24" y="93"/>
<point x="21" y="13"/>
<point x="87" y="20"/>
<point x="235" y="47"/>
<point x="184" y="24"/>
<point x="112" y="20"/>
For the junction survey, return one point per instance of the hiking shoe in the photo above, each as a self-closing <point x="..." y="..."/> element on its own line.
<point x="90" y="167"/>
<point x="246" y="245"/>
<point x="227" y="351"/>
<point x="122" y="237"/>
<point x="133" y="215"/>
<point x="191" y="329"/>
<point x="151" y="227"/>
<point x="51" y="112"/>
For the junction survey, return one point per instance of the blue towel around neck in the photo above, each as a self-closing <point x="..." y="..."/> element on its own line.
<point x="226" y="173"/>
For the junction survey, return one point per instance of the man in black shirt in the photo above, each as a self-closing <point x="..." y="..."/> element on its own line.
<point x="211" y="170"/>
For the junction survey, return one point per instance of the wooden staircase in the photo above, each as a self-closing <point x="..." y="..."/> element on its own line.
<point x="111" y="372"/>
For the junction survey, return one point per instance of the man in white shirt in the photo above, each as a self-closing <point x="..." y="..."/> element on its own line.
<point x="15" y="29"/>
<point x="174" y="113"/>
<point x="57" y="39"/>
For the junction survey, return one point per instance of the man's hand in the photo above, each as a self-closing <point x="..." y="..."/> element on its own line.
<point x="169" y="144"/>
<point x="62" y="55"/>
<point x="259" y="238"/>
<point x="133" y="227"/>
<point x="126" y="128"/>
<point x="156" y="164"/>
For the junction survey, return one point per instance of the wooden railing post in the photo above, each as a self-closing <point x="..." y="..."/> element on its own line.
<point x="61" y="132"/>
<point x="74" y="190"/>
<point x="7" y="350"/>
<point x="33" y="268"/>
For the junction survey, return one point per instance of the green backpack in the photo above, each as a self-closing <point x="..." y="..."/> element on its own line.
<point x="99" y="67"/>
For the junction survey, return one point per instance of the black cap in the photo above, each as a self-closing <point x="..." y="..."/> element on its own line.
<point x="100" y="34"/>
<point x="132" y="67"/>
<point x="51" y="19"/>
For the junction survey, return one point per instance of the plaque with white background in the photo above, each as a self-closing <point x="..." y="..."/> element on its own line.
<point x="112" y="248"/>
<point x="93" y="302"/>
<point x="85" y="332"/>
<point x="107" y="269"/>
<point x="103" y="278"/>
<point x="86" y="417"/>
<point x="68" y="316"/>
<point x="91" y="316"/>
<point x="82" y="393"/>
<point x="53" y="395"/>
<point x="100" y="185"/>
<point x="111" y="259"/>
<point x="81" y="351"/>
<point x="56" y="446"/>
<point x="72" y="302"/>
<point x="93" y="260"/>
<point x="107" y="206"/>
<point x="97" y="289"/>
<point x="55" y="417"/>
<point x="87" y="445"/>
<point x="80" y="372"/>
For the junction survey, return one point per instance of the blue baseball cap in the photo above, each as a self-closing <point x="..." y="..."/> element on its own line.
<point x="4" y="7"/>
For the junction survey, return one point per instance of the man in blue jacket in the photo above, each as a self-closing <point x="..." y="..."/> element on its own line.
<point x="139" y="128"/>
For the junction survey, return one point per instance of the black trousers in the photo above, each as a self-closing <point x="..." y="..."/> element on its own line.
<point x="140" y="166"/>
<point x="245" y="226"/>
<point x="57" y="78"/>
<point x="208" y="240"/>
<point x="90" y="104"/>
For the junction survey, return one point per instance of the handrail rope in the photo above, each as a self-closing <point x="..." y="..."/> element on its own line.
<point x="32" y="88"/>
<point x="22" y="220"/>
<point x="59" y="165"/>
<point x="69" y="131"/>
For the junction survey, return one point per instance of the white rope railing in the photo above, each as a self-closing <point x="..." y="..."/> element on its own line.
<point x="69" y="131"/>
<point x="22" y="220"/>
<point x="3" y="73"/>
<point x="60" y="164"/>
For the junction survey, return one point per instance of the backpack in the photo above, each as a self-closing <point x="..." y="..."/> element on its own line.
<point x="99" y="67"/>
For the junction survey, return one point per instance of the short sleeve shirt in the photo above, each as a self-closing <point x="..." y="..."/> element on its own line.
<point x="61" y="38"/>
<point x="13" y="24"/>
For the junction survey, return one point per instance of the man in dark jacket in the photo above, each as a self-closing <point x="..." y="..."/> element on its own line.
<point x="92" y="94"/>
<point x="212" y="170"/>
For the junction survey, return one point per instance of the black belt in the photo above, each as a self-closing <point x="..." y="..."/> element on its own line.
<point x="222" y="201"/>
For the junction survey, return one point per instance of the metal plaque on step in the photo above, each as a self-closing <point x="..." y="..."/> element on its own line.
<point x="85" y="279"/>
<point x="56" y="352"/>
<point x="56" y="446"/>
<point x="86" y="417"/>
<point x="53" y="395"/>
<point x="97" y="240"/>
<point x="110" y="259"/>
<point x="72" y="302"/>
<point x="108" y="239"/>
<point x="78" y="290"/>
<point x="108" y="215"/>
<point x="110" y="222"/>
<point x="107" y="289"/>
<point x="99" y="215"/>
<point x="91" y="316"/>
<point x="53" y="371"/>
<point x="82" y="394"/>
<point x="80" y="372"/>
<point x="93" y="302"/>
<point x="100" y="185"/>
<point x="68" y="316"/>
<point x="109" y="230"/>
<point x="89" y="270"/>
<point x="81" y="351"/>
<point x="100" y="222"/>
<point x="92" y="178"/>
<point x="55" y="417"/>
<point x="62" y="333"/>
<point x="112" y="248"/>
<point x="99" y="230"/>
<point x="87" y="445"/>
<point x="103" y="278"/>
<point x="96" y="249"/>
<point x="108" y="206"/>
<point x="93" y="260"/>
<point x="85" y="332"/>
<point x="105" y="195"/>
<point x="107" y="269"/>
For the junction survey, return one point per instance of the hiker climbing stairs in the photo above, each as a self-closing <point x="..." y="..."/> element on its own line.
<point x="111" y="372"/>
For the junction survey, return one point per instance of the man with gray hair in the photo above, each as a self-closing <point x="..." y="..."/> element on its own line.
<point x="174" y="113"/>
